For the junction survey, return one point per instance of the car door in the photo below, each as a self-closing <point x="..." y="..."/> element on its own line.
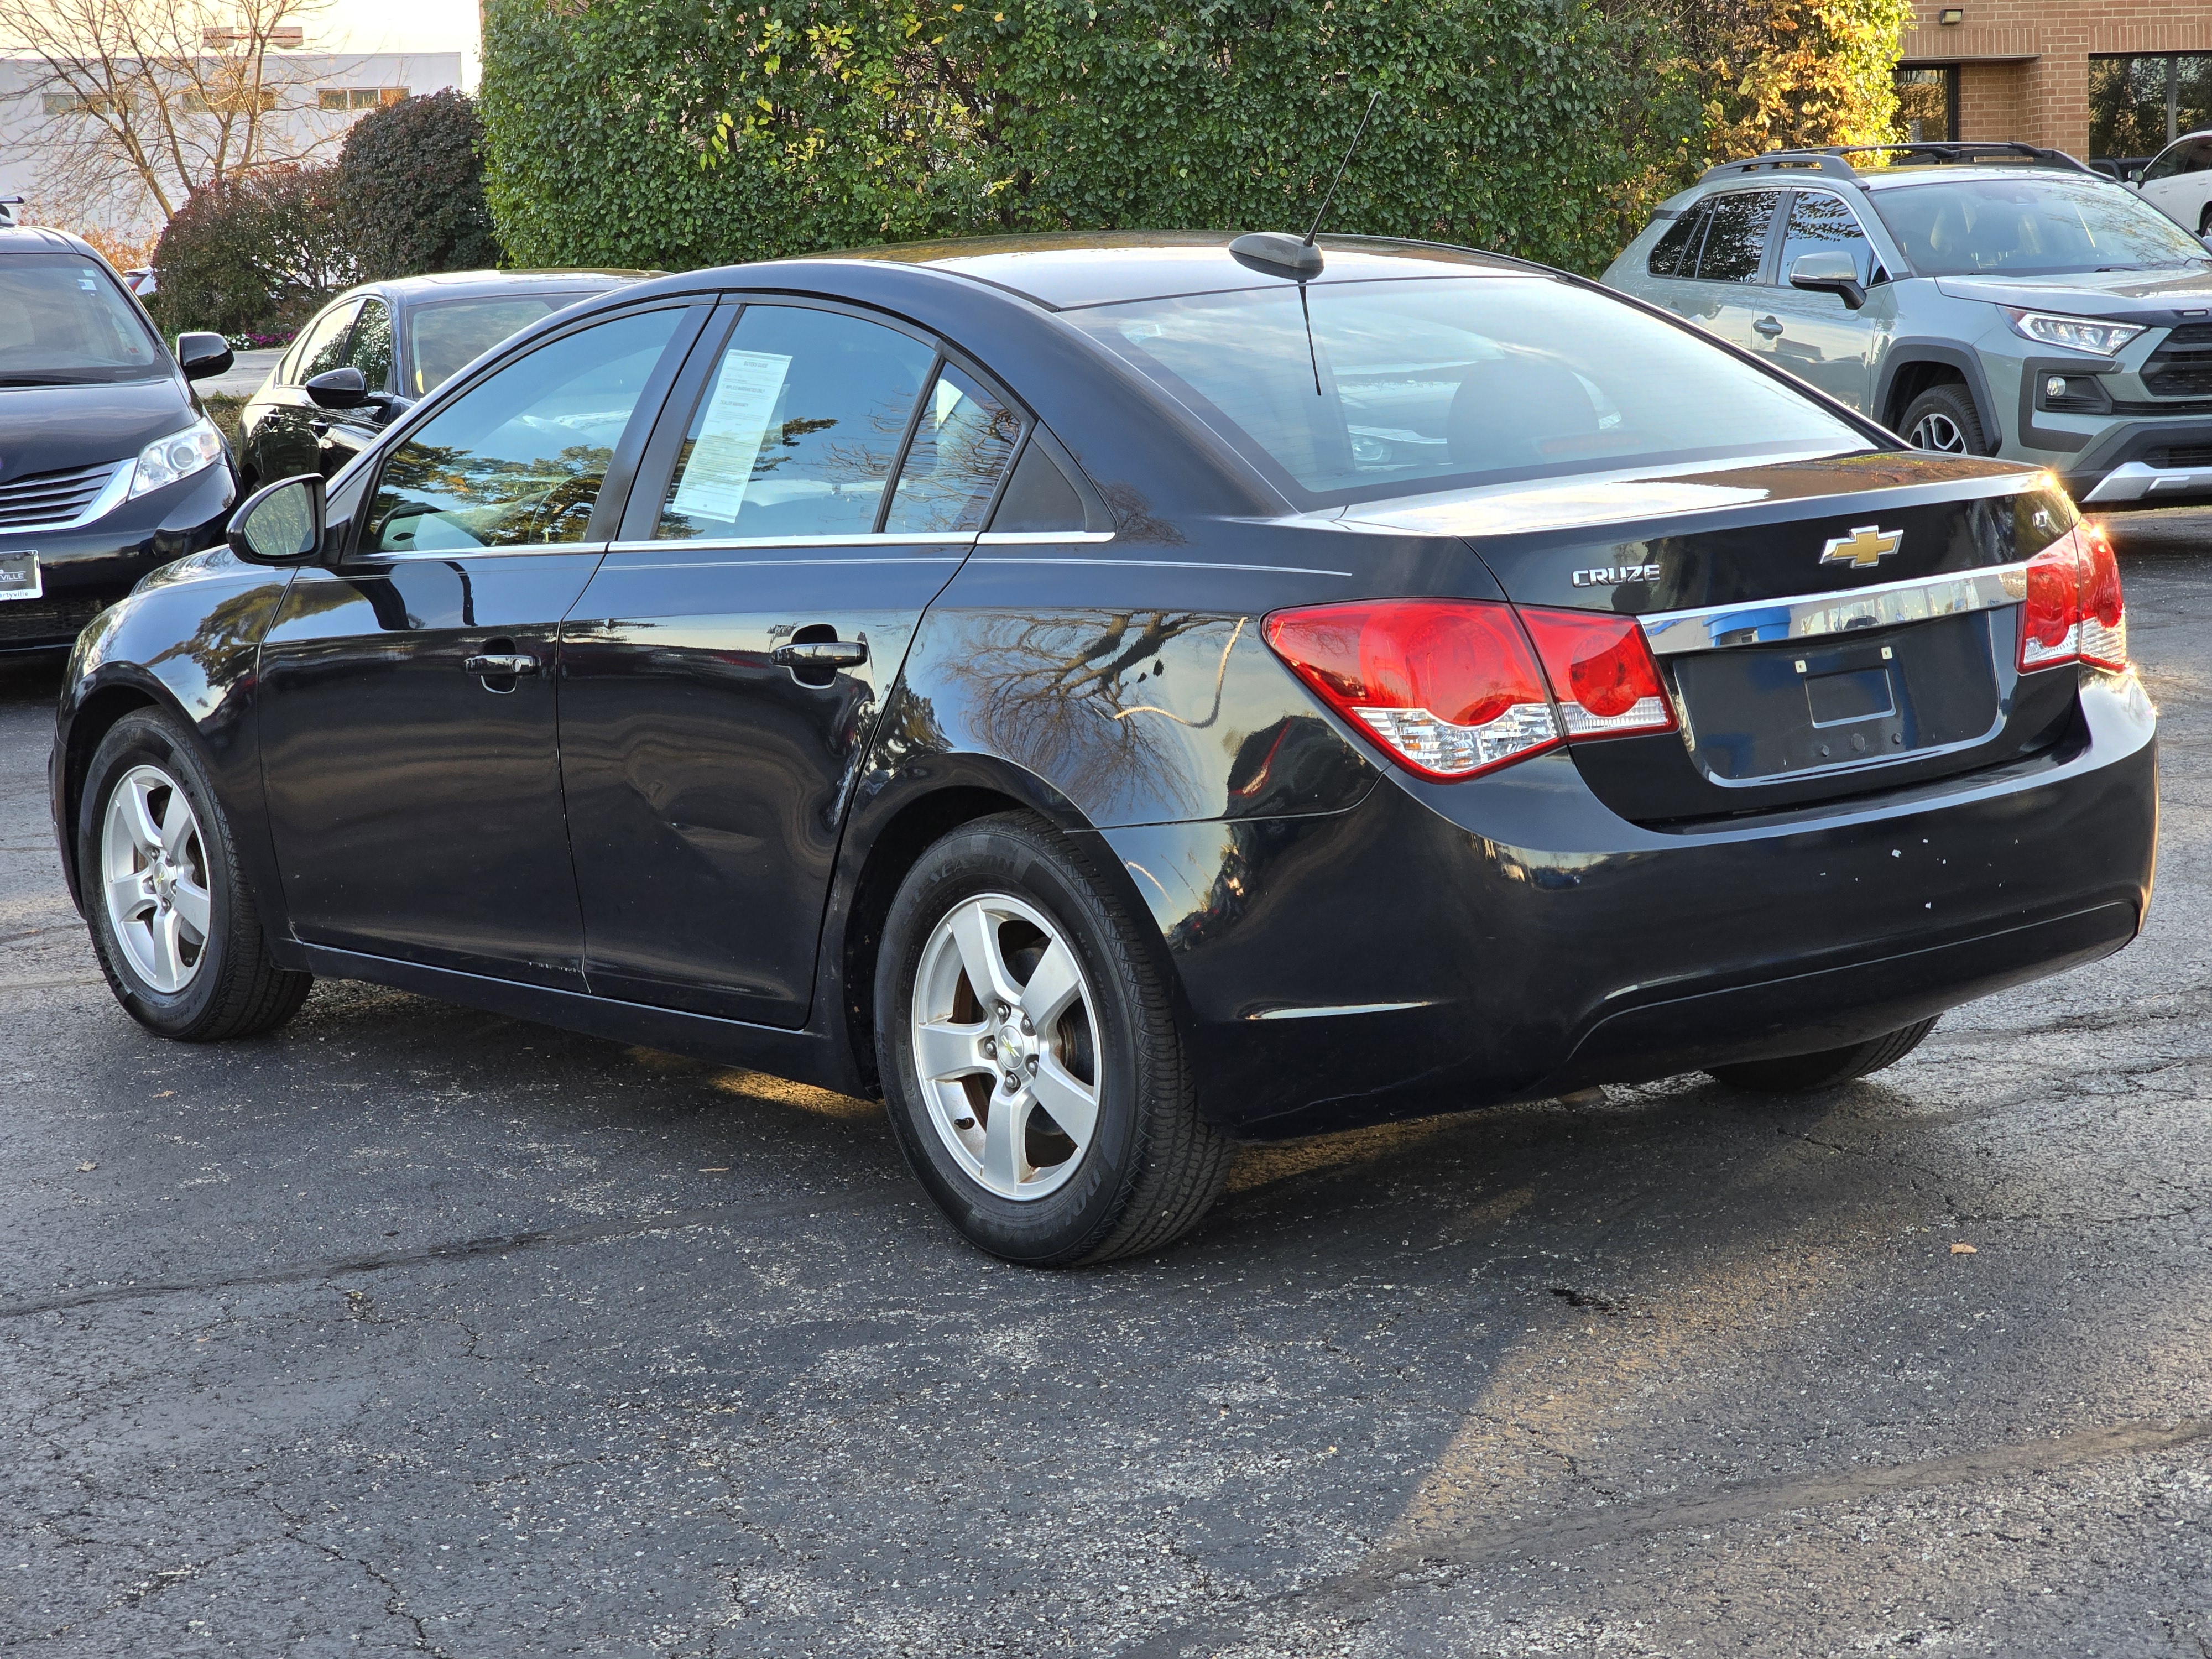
<point x="1816" y="337"/>
<point x="407" y="698"/>
<point x="2178" y="180"/>
<point x="342" y="433"/>
<point x="721" y="674"/>
<point x="1723" y="298"/>
<point x="282" y="442"/>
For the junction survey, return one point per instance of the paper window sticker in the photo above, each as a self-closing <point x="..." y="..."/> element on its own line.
<point x="731" y="434"/>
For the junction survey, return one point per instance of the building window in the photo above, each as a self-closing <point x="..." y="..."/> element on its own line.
<point x="357" y="97"/>
<point x="2140" y="103"/>
<point x="78" y="103"/>
<point x="1928" y="103"/>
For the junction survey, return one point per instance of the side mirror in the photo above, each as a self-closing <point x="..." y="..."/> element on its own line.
<point x="202" y="355"/>
<point x="1829" y="273"/>
<point x="281" y="523"/>
<point x="338" y="388"/>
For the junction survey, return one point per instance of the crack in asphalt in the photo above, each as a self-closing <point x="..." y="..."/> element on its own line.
<point x="496" y="1244"/>
<point x="1428" y="1564"/>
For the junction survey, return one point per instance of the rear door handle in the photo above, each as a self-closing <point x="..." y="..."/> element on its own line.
<point x="1766" y="326"/>
<point x="822" y="653"/>
<point x="516" y="663"/>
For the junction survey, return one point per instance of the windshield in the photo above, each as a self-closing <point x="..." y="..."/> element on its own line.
<point x="1409" y="384"/>
<point x="2027" y="227"/>
<point x="444" y="337"/>
<point x="64" y="322"/>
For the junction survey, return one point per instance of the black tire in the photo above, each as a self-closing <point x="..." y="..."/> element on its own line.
<point x="235" y="989"/>
<point x="1796" y="1074"/>
<point x="1152" y="1167"/>
<point x="1954" y="425"/>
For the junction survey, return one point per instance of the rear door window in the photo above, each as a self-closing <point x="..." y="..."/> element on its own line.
<point x="1735" y="243"/>
<point x="797" y="429"/>
<point x="960" y="449"/>
<point x="1676" y="254"/>
<point x="1821" y="223"/>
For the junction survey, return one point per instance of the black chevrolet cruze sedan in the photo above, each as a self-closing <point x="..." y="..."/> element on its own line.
<point x="1116" y="695"/>
<point x="108" y="469"/>
<point x="377" y="351"/>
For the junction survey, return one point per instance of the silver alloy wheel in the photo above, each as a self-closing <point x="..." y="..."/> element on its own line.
<point x="1938" y="431"/>
<point x="1006" y="1043"/>
<point x="153" y="867"/>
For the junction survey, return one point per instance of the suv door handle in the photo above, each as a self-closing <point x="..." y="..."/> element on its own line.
<point x="497" y="664"/>
<point x="822" y="653"/>
<point x="1766" y="326"/>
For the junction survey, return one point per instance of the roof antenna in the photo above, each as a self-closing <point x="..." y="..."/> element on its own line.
<point x="1279" y="253"/>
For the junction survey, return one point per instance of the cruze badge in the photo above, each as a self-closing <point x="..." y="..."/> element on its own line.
<point x="1610" y="575"/>
<point x="1866" y="544"/>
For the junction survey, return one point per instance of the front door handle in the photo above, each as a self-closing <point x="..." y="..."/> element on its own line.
<point x="822" y="653"/>
<point x="501" y="665"/>
<point x="1766" y="326"/>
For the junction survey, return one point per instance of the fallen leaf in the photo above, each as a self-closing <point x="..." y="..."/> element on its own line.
<point x="86" y="1168"/>
<point x="165" y="1094"/>
<point x="720" y="1169"/>
<point x="1962" y="1249"/>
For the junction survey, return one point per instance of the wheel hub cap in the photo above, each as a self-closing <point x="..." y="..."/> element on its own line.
<point x="153" y="867"/>
<point x="1004" y="1042"/>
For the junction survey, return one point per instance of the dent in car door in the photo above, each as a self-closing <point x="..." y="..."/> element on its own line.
<point x="409" y="737"/>
<point x="722" y="675"/>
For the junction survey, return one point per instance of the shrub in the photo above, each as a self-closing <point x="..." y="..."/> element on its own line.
<point x="412" y="184"/>
<point x="252" y="254"/>
<point x="675" y="133"/>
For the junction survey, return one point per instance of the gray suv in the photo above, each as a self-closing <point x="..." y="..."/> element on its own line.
<point x="1983" y="299"/>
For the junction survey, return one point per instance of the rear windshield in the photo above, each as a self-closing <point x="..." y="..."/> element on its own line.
<point x="64" y="322"/>
<point x="2027" y="226"/>
<point x="1351" y="391"/>
<point x="444" y="336"/>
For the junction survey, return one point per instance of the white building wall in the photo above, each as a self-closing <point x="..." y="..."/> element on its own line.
<point x="319" y="95"/>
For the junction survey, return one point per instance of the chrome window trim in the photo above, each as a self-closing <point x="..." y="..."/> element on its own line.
<point x="1773" y="621"/>
<point x="447" y="555"/>
<point x="110" y="497"/>
<point x="1041" y="538"/>
<point x="718" y="544"/>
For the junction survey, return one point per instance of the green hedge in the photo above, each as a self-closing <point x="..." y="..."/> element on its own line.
<point x="676" y="133"/>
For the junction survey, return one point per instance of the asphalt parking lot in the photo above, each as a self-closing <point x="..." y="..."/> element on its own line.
<point x="408" y="1328"/>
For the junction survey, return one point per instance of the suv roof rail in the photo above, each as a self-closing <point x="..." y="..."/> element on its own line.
<point x="1831" y="158"/>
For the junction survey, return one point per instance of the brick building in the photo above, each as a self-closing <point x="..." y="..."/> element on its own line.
<point x="2095" y="78"/>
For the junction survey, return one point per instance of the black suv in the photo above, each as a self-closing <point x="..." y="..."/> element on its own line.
<point x="108" y="467"/>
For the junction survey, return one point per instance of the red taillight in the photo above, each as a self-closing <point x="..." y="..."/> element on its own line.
<point x="1601" y="671"/>
<point x="1451" y="687"/>
<point x="2075" y="610"/>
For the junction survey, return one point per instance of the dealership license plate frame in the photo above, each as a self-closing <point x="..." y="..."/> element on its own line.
<point x="20" y="577"/>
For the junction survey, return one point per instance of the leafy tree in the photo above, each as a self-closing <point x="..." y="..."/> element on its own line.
<point x="251" y="253"/>
<point x="1777" y="73"/>
<point x="413" y="186"/>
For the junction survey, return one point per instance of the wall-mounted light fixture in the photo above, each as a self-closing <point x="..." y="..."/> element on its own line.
<point x="1950" y="15"/>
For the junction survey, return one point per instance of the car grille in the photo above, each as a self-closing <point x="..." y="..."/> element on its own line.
<point x="2180" y="455"/>
<point x="36" y="621"/>
<point x="51" y="497"/>
<point x="2182" y="366"/>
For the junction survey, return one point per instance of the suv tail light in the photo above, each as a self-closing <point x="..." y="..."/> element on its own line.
<point x="1452" y="688"/>
<point x="2075" y="612"/>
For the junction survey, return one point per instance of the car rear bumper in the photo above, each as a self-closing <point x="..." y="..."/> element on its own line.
<point x="1444" y="947"/>
<point x="84" y="570"/>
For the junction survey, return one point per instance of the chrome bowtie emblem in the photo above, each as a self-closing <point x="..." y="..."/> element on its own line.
<point x="1867" y="544"/>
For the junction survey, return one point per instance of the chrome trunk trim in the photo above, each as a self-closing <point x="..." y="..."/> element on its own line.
<point x="1769" y="622"/>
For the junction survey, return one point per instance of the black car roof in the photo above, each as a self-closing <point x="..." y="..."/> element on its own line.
<point x="1074" y="269"/>
<point x="479" y="284"/>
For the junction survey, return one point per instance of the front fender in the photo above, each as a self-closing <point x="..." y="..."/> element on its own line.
<point x="187" y="640"/>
